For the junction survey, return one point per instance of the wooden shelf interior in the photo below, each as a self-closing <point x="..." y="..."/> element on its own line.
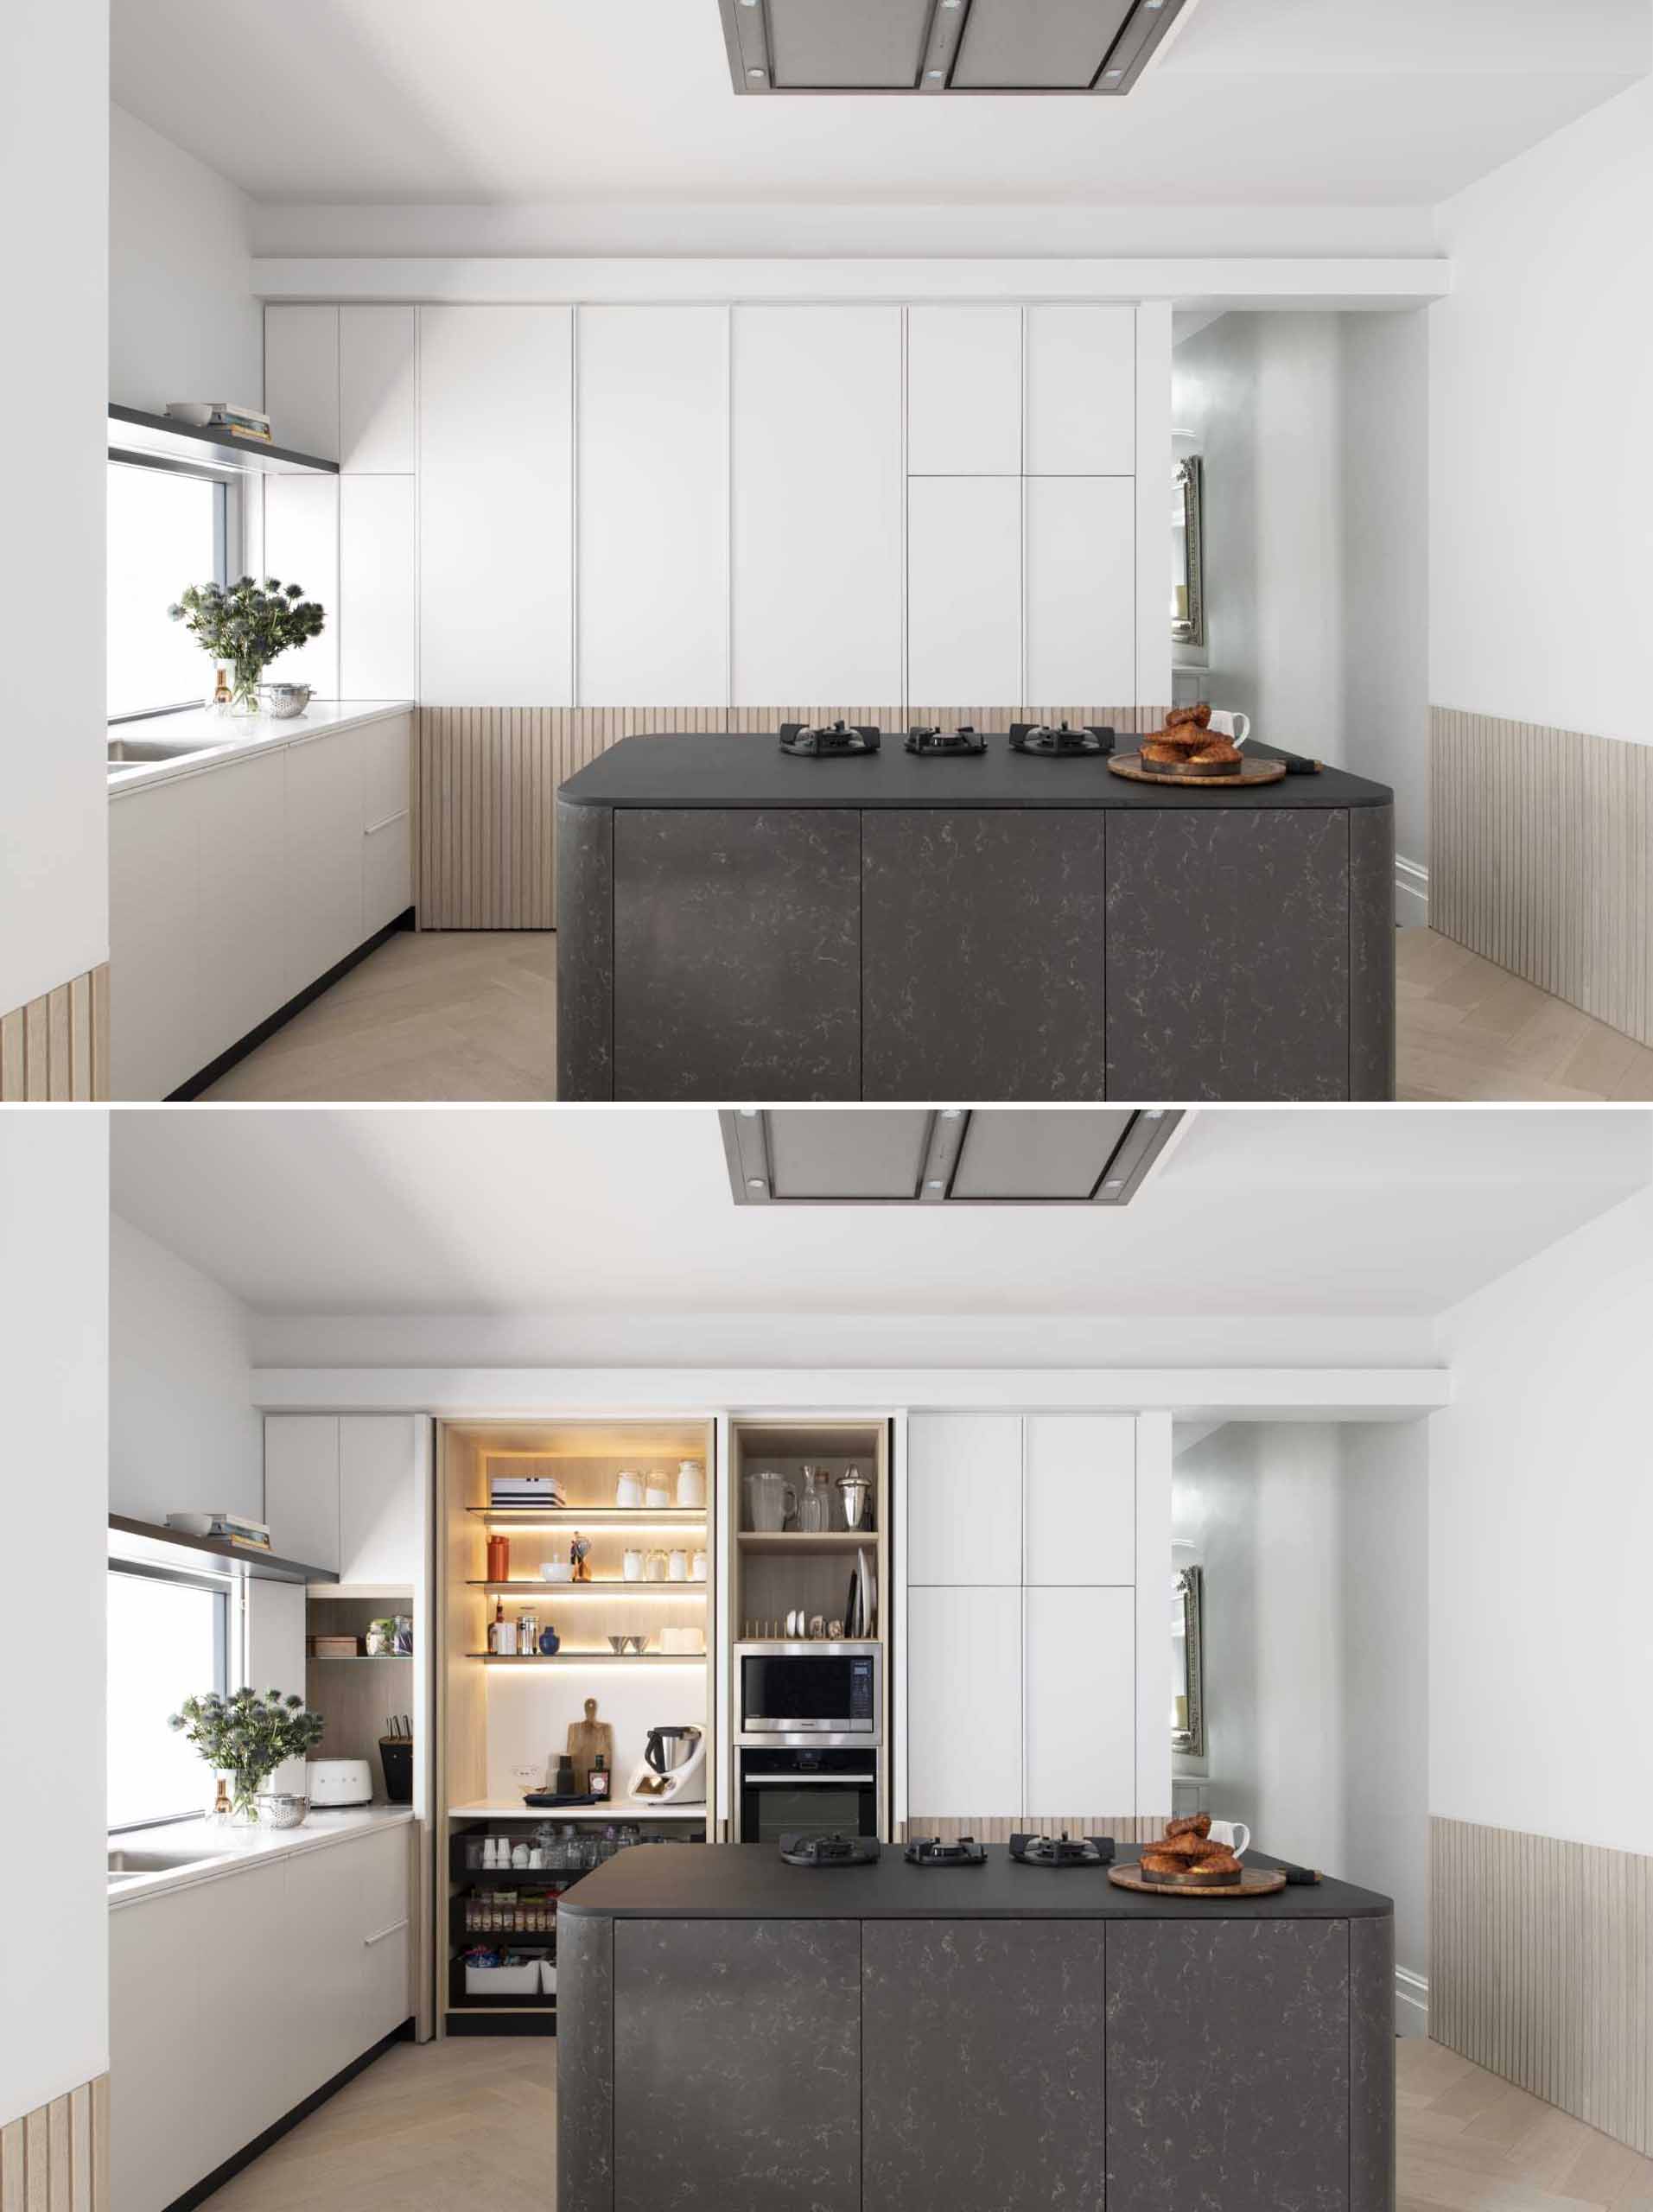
<point x="356" y="1696"/>
<point x="778" y="1570"/>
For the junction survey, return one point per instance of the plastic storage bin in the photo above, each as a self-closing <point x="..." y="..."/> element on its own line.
<point x="522" y="1980"/>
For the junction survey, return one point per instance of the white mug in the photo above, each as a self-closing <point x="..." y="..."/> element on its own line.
<point x="631" y="1565"/>
<point x="1235" y="1833"/>
<point x="1238" y="726"/>
<point x="677" y="1568"/>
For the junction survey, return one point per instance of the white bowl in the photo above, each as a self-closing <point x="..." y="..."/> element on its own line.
<point x="556" y="1570"/>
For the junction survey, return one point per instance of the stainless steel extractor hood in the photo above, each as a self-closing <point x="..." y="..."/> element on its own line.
<point x="942" y="46"/>
<point x="949" y="1155"/>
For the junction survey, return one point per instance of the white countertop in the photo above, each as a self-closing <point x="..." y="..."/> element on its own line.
<point x="236" y="736"/>
<point x="617" y="1808"/>
<point x="232" y="1851"/>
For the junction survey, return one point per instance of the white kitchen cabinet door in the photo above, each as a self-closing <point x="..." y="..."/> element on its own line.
<point x="963" y="383"/>
<point x="1082" y="590"/>
<point x="963" y="1515"/>
<point x="378" y="1526"/>
<point x="325" y="1933"/>
<point x="816" y="472"/>
<point x="495" y="506"/>
<point x="243" y="911"/>
<point x="378" y="637"/>
<point x="302" y="547"/>
<point x="154" y="1958"/>
<point x="302" y="1487"/>
<point x="244" y="2077"/>
<point x="1081" y="390"/>
<point x="324" y="855"/>
<point x="964" y="591"/>
<point x="301" y="379"/>
<point x="964" y="1703"/>
<point x="654" y="502"/>
<point x="385" y="1931"/>
<point x="1080" y="1697"/>
<point x="387" y="822"/>
<point x="1080" y="1514"/>
<point x="387" y="874"/>
<point x="154" y="940"/>
<point x="376" y="425"/>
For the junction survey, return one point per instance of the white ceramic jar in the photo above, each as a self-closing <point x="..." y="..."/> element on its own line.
<point x="691" y="1483"/>
<point x="628" y="1489"/>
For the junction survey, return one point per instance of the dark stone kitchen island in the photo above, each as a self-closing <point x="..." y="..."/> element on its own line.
<point x="734" y="922"/>
<point x="736" y="2032"/>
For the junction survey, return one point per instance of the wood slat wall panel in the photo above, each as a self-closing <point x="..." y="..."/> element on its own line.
<point x="57" y="1046"/>
<point x="1124" y="1828"/>
<point x="484" y="783"/>
<point x="1542" y="858"/>
<point x="1540" y="1969"/>
<point x="56" y="2159"/>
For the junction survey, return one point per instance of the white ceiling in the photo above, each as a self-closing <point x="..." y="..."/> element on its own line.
<point x="1286" y="102"/>
<point x="626" y="1211"/>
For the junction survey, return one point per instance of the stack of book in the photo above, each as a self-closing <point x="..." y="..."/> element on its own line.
<point x="524" y="1490"/>
<point x="220" y="415"/>
<point x="227" y="1527"/>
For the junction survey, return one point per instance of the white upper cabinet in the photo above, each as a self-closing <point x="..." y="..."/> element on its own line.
<point x="377" y="650"/>
<point x="376" y="425"/>
<point x="1081" y="392"/>
<point x="964" y="1499"/>
<point x="654" y="495"/>
<point x="495" y="506"/>
<point x="302" y="1487"/>
<point x="1079" y="1703"/>
<point x="817" y="488"/>
<point x="302" y="547"/>
<point x="964" y="1704"/>
<point x="1081" y="556"/>
<point x="301" y="379"/>
<point x="963" y="391"/>
<point x="964" y="591"/>
<point x="379" y="1511"/>
<point x="1080" y="1516"/>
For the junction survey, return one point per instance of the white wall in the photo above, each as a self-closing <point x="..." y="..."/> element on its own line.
<point x="183" y="323"/>
<point x="54" y="182"/>
<point x="1313" y="430"/>
<point x="1540" y="558"/>
<point x="53" y="1343"/>
<point x="1313" y="1540"/>
<point x="1541" y="1532"/>
<point x="183" y="1434"/>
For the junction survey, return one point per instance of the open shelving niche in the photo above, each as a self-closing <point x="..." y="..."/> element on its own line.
<point x="496" y="1717"/>
<point x="773" y="1572"/>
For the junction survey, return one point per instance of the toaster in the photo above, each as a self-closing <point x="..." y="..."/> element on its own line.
<point x="339" y="1782"/>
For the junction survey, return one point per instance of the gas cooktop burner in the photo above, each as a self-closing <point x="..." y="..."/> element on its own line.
<point x="1063" y="1850"/>
<point x="1040" y="737"/>
<point x="930" y="1851"/>
<point x="821" y="744"/>
<point x="829" y="1850"/>
<point x="925" y="741"/>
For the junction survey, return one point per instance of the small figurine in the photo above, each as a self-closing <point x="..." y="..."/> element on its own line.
<point x="579" y="1555"/>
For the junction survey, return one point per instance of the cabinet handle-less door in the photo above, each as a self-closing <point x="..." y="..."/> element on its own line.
<point x="302" y="1487"/>
<point x="1081" y="1703"/>
<point x="964" y="1673"/>
<point x="1081" y="1489"/>
<point x="964" y="1498"/>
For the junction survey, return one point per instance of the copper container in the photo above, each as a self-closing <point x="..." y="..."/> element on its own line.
<point x="498" y="1559"/>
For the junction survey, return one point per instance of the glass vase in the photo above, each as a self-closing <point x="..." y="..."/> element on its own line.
<point x="244" y="687"/>
<point x="244" y="1796"/>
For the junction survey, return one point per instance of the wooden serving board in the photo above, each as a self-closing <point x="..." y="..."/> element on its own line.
<point x="1130" y="765"/>
<point x="1253" y="1882"/>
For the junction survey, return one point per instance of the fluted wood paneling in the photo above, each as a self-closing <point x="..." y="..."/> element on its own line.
<point x="56" y="2159"/>
<point x="1124" y="1828"/>
<point x="1542" y="858"/>
<point x="485" y="779"/>
<point x="1541" y="1968"/>
<point x="57" y="1046"/>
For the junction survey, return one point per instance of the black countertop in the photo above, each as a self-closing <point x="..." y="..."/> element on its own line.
<point x="745" y="769"/>
<point x="750" y="1881"/>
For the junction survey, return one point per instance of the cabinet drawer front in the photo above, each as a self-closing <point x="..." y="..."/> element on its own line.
<point x="737" y="954"/>
<point x="387" y="873"/>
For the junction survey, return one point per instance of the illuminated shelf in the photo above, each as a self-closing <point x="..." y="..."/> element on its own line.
<point x="604" y="1582"/>
<point x="591" y="1516"/>
<point x="590" y="1658"/>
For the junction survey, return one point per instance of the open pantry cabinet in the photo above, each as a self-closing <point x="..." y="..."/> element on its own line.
<point x="802" y="1569"/>
<point x="503" y="1721"/>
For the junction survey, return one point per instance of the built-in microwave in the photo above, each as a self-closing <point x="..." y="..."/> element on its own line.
<point x="820" y="1693"/>
<point x="785" y="1789"/>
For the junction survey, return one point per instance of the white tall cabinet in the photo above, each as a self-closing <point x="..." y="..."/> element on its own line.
<point x="1022" y="1549"/>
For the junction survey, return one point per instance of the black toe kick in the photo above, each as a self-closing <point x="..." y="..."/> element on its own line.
<point x="895" y="953"/>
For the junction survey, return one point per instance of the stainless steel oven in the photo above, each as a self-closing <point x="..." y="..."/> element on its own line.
<point x="810" y="1694"/>
<point x="788" y="1791"/>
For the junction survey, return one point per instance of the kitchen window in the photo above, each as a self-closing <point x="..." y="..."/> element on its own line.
<point x="167" y="527"/>
<point x="169" y="1638"/>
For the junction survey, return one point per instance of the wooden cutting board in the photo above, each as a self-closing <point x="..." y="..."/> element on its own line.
<point x="1253" y="1882"/>
<point x="585" y="1738"/>
<point x="1130" y="765"/>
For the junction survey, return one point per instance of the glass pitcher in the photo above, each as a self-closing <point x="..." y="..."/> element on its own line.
<point x="812" y="1507"/>
<point x="770" y="1499"/>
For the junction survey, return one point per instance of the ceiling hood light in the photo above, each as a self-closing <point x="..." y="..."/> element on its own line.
<point x="910" y="1155"/>
<point x="758" y="74"/>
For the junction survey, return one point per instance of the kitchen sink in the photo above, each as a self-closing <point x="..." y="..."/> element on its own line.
<point x="123" y="1863"/>
<point x="128" y="751"/>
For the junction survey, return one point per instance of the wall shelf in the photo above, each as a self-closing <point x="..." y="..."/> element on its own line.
<point x="591" y="1516"/>
<point x="148" y="1543"/>
<point x="614" y="1583"/>
<point x="133" y="434"/>
<point x="589" y="1658"/>
<point x="821" y="1542"/>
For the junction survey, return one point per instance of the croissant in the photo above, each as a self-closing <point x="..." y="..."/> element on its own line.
<point x="1180" y="717"/>
<point x="1198" y="1824"/>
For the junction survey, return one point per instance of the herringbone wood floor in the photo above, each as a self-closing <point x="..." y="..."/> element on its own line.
<point x="471" y="2124"/>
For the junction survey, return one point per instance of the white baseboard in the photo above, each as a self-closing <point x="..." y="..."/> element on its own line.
<point x="1411" y="2002"/>
<point x="1411" y="895"/>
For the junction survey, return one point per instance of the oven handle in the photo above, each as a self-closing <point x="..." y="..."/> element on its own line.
<point x="806" y="1781"/>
